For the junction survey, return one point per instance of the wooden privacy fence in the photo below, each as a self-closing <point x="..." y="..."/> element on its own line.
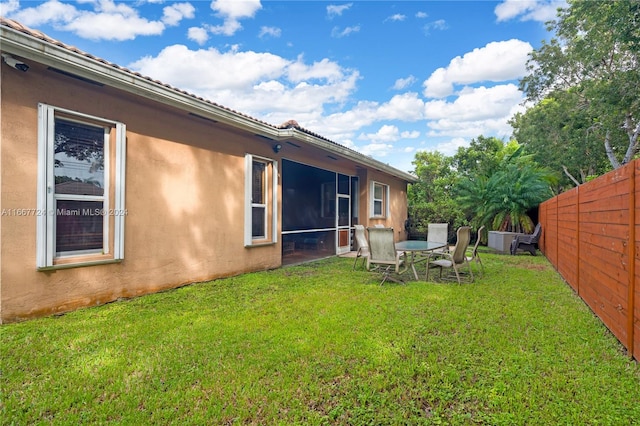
<point x="591" y="234"/>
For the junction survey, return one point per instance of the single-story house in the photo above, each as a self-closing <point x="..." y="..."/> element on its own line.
<point x="115" y="185"/>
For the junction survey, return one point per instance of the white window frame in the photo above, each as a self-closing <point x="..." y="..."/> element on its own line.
<point x="46" y="256"/>
<point x="386" y="212"/>
<point x="271" y="175"/>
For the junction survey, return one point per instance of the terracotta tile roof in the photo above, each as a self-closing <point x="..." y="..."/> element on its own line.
<point x="291" y="124"/>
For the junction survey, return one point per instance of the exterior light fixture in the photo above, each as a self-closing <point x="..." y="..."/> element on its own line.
<point x="277" y="147"/>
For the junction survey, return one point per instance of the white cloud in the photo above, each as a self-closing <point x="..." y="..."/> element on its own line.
<point x="113" y="26"/>
<point x="262" y="85"/>
<point x="52" y="12"/>
<point x="497" y="61"/>
<point x="109" y="21"/>
<point x="335" y="10"/>
<point x="476" y="103"/>
<point x="528" y="10"/>
<point x="232" y="11"/>
<point x="376" y="149"/>
<point x="403" y="83"/>
<point x="216" y="70"/>
<point x="413" y="134"/>
<point x="325" y="69"/>
<point x="270" y="31"/>
<point x="405" y="107"/>
<point x="8" y="6"/>
<point x="198" y="34"/>
<point x="422" y="15"/>
<point x="450" y="147"/>
<point x="440" y="24"/>
<point x="338" y="33"/>
<point x="398" y="17"/>
<point x="386" y="133"/>
<point x="172" y="15"/>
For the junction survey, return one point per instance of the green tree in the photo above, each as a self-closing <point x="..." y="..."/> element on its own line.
<point x="557" y="132"/>
<point x="502" y="200"/>
<point x="481" y="157"/>
<point x="596" y="53"/>
<point x="430" y="199"/>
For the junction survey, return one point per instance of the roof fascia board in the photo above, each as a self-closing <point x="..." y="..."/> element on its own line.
<point x="60" y="57"/>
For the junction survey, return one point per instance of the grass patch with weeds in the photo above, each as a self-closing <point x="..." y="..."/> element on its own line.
<point x="322" y="344"/>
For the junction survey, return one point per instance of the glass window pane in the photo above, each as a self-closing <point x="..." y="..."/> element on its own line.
<point x="78" y="158"/>
<point x="377" y="208"/>
<point x="377" y="192"/>
<point x="258" y="183"/>
<point x="258" y="222"/>
<point x="79" y="225"/>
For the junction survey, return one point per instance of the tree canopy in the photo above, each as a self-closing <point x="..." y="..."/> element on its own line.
<point x="591" y="68"/>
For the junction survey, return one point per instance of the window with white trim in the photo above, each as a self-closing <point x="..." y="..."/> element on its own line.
<point x="80" y="196"/>
<point x="260" y="206"/>
<point x="379" y="196"/>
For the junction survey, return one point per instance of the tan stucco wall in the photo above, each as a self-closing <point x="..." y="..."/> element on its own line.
<point x="184" y="198"/>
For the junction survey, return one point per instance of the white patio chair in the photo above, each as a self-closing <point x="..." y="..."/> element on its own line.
<point x="456" y="259"/>
<point x="384" y="256"/>
<point x="362" y="243"/>
<point x="475" y="256"/>
<point x="439" y="233"/>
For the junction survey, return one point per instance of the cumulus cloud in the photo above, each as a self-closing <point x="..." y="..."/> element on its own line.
<point x="108" y="20"/>
<point x="262" y="85"/>
<point x="450" y="147"/>
<point x="476" y="111"/>
<point x="9" y="6"/>
<point x="528" y="10"/>
<point x="198" y="34"/>
<point x="232" y="11"/>
<point x="476" y="103"/>
<point x="496" y="62"/>
<point x="51" y="12"/>
<point x="172" y="15"/>
<point x="376" y="149"/>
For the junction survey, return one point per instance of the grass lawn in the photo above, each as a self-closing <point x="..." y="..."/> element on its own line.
<point x="322" y="344"/>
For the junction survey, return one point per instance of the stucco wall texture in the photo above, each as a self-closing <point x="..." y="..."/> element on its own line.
<point x="184" y="197"/>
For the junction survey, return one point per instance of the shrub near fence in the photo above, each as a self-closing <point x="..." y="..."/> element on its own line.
<point x="591" y="234"/>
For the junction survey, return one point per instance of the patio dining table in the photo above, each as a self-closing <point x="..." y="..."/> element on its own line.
<point x="413" y="249"/>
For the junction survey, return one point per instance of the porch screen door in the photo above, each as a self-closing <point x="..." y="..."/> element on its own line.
<point x="344" y="222"/>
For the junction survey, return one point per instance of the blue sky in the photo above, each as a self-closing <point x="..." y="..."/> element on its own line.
<point x="385" y="78"/>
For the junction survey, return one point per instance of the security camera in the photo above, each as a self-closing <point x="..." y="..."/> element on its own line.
<point x="13" y="62"/>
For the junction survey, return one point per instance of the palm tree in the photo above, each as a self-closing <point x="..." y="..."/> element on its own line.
<point x="502" y="200"/>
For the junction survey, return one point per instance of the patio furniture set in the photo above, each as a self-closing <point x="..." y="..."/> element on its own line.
<point x="381" y="253"/>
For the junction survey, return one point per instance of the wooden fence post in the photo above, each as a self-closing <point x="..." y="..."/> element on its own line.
<point x="578" y="239"/>
<point x="632" y="257"/>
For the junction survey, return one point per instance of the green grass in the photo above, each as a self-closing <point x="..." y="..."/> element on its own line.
<point x="321" y="344"/>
